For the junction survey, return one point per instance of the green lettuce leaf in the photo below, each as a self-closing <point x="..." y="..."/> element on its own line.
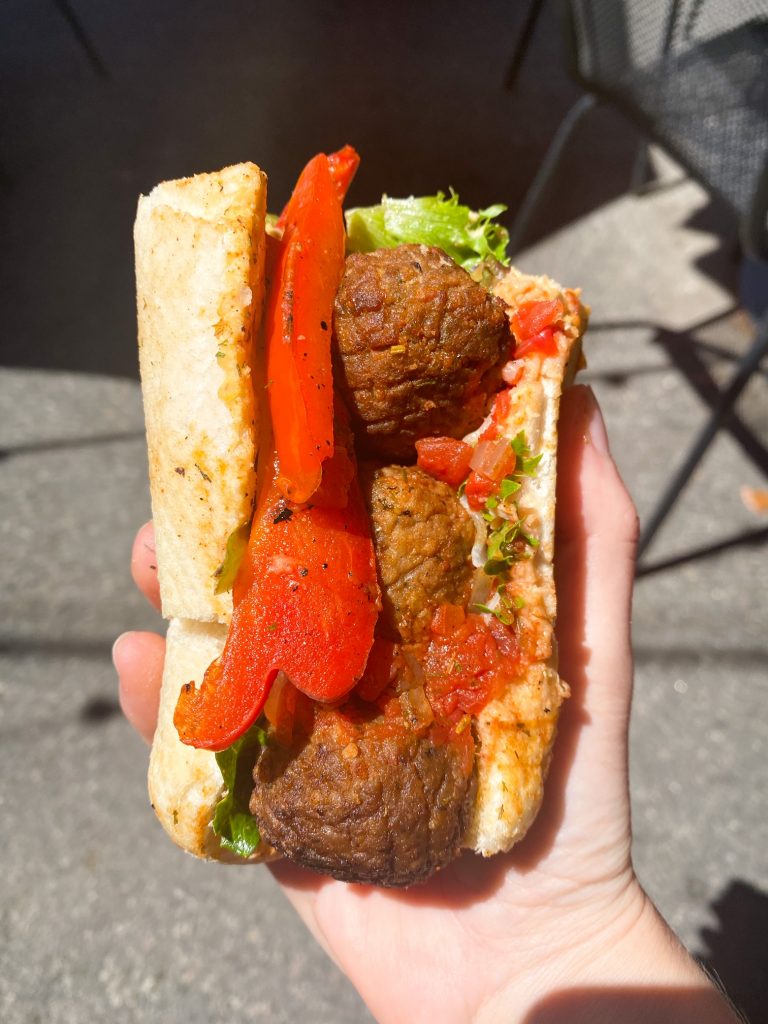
<point x="232" y="821"/>
<point x="468" y="236"/>
<point x="233" y="556"/>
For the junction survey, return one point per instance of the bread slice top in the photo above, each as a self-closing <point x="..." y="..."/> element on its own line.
<point x="200" y="245"/>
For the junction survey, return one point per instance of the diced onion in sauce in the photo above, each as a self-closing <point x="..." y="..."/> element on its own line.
<point x="414" y="676"/>
<point x="512" y="371"/>
<point x="417" y="711"/>
<point x="492" y="458"/>
<point x="481" y="589"/>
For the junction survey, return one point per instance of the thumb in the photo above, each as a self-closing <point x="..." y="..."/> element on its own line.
<point x="596" y="539"/>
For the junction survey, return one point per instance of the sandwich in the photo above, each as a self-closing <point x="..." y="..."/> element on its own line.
<point x="352" y="437"/>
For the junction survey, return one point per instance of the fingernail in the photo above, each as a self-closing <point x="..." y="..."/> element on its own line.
<point x="148" y="540"/>
<point x="116" y="645"/>
<point x="596" y="433"/>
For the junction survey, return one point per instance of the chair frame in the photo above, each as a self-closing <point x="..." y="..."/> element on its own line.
<point x="751" y="234"/>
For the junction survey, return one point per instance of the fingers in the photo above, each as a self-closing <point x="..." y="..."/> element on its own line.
<point x="144" y="564"/>
<point x="138" y="659"/>
<point x="301" y="887"/>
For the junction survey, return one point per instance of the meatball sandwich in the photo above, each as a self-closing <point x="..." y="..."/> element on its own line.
<point x="352" y="447"/>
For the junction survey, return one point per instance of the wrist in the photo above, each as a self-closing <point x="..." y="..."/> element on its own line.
<point x="624" y="965"/>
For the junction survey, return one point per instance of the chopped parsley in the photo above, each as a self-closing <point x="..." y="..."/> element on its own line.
<point x="526" y="465"/>
<point x="507" y="609"/>
<point x="510" y="536"/>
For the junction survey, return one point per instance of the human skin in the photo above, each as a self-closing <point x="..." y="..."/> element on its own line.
<point x="559" y="929"/>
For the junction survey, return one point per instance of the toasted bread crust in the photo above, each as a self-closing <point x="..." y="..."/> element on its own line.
<point x="200" y="286"/>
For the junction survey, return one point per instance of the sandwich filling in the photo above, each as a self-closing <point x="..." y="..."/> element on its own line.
<point x="360" y="731"/>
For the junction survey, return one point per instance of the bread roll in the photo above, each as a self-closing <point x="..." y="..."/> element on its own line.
<point x="516" y="732"/>
<point x="200" y="287"/>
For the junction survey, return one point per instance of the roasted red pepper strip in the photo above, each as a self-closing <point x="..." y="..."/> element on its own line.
<point x="306" y="596"/>
<point x="306" y="272"/>
<point x="343" y="166"/>
<point x="306" y="602"/>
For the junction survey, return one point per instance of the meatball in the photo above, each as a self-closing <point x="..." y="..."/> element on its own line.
<point x="364" y="802"/>
<point x="419" y="347"/>
<point x="423" y="538"/>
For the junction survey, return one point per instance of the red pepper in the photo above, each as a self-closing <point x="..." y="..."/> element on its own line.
<point x="307" y="268"/>
<point x="343" y="166"/>
<point x="306" y="596"/>
<point x="306" y="602"/>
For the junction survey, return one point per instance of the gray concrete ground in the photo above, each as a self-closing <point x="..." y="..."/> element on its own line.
<point x="101" y="919"/>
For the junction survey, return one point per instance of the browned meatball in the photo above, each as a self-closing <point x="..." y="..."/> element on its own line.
<point x="365" y="803"/>
<point x="423" y="538"/>
<point x="419" y="347"/>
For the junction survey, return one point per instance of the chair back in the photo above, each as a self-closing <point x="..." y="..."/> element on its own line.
<point x="693" y="74"/>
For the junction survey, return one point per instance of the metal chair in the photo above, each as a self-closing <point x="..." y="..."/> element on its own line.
<point x="692" y="76"/>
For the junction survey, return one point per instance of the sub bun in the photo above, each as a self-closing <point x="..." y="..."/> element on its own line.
<point x="200" y="267"/>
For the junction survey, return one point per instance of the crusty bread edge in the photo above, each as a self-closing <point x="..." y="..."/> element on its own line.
<point x="516" y="731"/>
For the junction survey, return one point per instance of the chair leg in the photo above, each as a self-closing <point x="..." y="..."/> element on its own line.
<point x="523" y="42"/>
<point x="725" y="403"/>
<point x="84" y="40"/>
<point x="642" y="173"/>
<point x="548" y="167"/>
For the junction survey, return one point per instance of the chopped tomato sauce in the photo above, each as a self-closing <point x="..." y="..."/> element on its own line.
<point x="479" y="489"/>
<point x="444" y="458"/>
<point x="544" y="342"/>
<point x="534" y="325"/>
<point x="531" y="318"/>
<point x="466" y="665"/>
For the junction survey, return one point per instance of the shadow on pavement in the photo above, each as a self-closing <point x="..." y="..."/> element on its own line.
<point x="736" y="949"/>
<point x="750" y="538"/>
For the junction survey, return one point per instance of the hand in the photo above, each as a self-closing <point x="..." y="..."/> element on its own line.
<point x="486" y="939"/>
